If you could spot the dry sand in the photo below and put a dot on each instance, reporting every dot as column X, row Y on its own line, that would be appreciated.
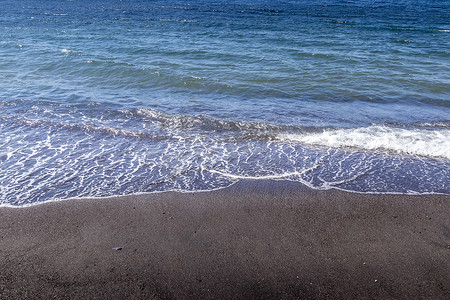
column 256, row 239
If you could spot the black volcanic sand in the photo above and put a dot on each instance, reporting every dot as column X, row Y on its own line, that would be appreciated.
column 255, row 239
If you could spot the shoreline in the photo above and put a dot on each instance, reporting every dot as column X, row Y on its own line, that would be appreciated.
column 253, row 239
column 299, row 184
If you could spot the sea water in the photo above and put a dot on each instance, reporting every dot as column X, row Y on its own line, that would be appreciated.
column 102, row 98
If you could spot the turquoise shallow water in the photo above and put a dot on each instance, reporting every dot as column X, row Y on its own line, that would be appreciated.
column 105, row 98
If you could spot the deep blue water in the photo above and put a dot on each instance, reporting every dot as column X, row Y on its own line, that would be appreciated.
column 103, row 98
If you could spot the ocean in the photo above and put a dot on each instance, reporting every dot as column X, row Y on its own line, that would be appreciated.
column 102, row 98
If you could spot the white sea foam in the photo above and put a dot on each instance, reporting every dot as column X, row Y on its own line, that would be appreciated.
column 64, row 50
column 421, row 142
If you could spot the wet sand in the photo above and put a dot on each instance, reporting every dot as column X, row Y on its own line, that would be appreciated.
column 255, row 239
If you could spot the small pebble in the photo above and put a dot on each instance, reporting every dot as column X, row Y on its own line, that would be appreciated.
column 117, row 248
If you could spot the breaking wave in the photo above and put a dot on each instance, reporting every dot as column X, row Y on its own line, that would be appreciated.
column 408, row 141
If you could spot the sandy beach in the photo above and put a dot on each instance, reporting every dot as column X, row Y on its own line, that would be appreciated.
column 253, row 240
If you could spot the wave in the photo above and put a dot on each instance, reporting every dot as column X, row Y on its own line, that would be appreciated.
column 415, row 141
column 430, row 139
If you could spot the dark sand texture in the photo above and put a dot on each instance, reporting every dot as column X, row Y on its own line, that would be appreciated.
column 256, row 239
